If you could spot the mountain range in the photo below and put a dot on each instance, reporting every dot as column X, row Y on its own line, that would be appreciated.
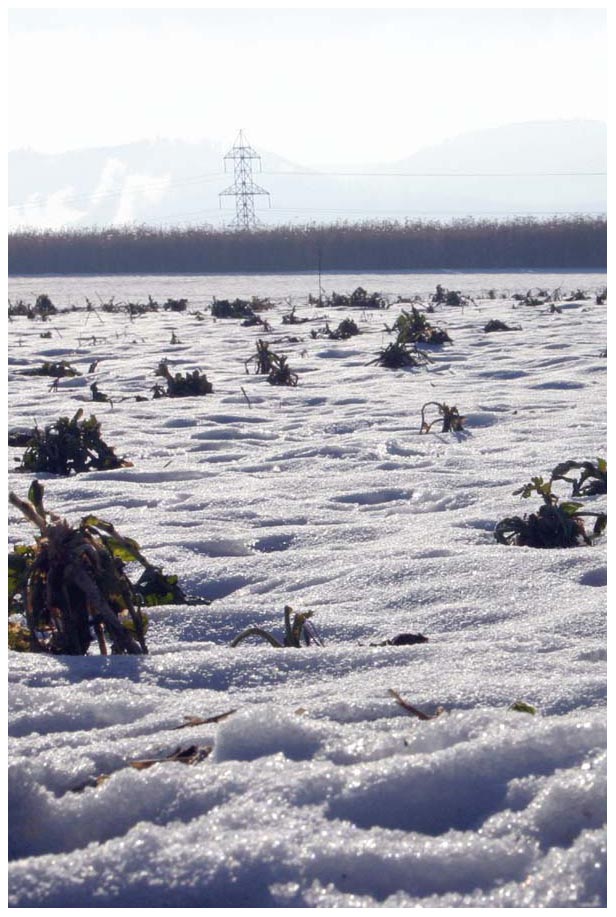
column 538, row 168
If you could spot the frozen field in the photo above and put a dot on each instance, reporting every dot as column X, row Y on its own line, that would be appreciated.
column 321, row 790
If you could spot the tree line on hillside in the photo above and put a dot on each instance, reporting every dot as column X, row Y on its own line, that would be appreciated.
column 467, row 244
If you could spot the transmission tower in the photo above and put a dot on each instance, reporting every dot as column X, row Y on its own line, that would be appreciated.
column 243, row 189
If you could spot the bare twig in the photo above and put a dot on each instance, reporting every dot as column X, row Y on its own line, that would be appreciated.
column 191, row 721
column 413, row 710
column 194, row 754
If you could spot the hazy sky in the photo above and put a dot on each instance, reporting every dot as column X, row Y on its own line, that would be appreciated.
column 313, row 85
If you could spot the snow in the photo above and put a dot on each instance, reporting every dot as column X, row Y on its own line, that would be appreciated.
column 320, row 789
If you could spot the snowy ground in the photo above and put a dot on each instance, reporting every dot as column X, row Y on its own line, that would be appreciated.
column 321, row 791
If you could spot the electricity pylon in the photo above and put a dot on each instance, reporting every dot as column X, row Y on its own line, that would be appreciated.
column 243, row 189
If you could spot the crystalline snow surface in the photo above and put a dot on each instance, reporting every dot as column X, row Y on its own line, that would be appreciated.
column 321, row 791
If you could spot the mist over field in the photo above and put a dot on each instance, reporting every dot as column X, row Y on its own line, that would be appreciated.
column 541, row 168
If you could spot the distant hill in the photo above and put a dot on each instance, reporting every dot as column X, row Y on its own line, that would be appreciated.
column 174, row 182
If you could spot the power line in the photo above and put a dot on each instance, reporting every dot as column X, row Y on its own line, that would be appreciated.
column 314, row 174
column 95, row 197
column 428, row 212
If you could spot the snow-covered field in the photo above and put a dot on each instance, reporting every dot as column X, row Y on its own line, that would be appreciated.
column 321, row 790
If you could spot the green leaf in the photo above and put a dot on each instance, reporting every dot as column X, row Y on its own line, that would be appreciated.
column 125, row 549
column 535, row 485
column 521, row 706
column 19, row 638
column 570, row 508
column 20, row 562
column 159, row 598
column 127, row 622
column 158, row 588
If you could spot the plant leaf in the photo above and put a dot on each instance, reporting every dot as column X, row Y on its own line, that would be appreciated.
column 35, row 496
column 19, row 563
column 570, row 508
column 600, row 525
column 520, row 706
column 125, row 549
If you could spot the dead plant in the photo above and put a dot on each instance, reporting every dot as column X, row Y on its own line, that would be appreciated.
column 73, row 584
column 452, row 419
column 556, row 524
column 182, row 386
column 414, row 328
column 281, row 374
column 58, row 370
column 69, row 446
column 296, row 629
column 400, row 356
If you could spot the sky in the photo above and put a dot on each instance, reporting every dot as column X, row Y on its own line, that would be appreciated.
column 316, row 86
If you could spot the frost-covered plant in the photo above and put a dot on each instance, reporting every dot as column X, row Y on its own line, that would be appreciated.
column 346, row 329
column 556, row 524
column 264, row 359
column 495, row 324
column 281, row 374
column 270, row 364
column 136, row 309
column 182, row 386
column 157, row 588
column 42, row 309
column 601, row 297
column 538, row 300
column 592, row 481
column 290, row 318
column 402, row 640
column 97, row 395
column 414, row 328
column 255, row 319
column 296, row 629
column 238, row 308
column 69, row 446
column 57, row 370
column 43, row 306
column 358, row 299
column 453, row 421
column 18, row 308
column 20, row 436
column 398, row 356
column 176, row 305
column 73, row 584
column 521, row 706
column 439, row 295
column 223, row 308
column 578, row 296
column 448, row 297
